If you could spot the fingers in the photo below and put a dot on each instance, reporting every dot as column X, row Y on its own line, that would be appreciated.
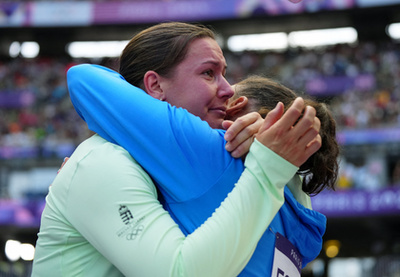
column 314, row 145
column 306, row 136
column 240, row 135
column 272, row 117
column 293, row 114
column 243, row 127
column 242, row 149
column 226, row 124
column 295, row 135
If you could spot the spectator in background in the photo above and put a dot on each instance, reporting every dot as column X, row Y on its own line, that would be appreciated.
column 294, row 67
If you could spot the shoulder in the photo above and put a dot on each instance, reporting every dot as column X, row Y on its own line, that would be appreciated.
column 89, row 69
column 101, row 162
column 97, row 149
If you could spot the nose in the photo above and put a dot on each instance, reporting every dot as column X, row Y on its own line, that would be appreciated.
column 225, row 89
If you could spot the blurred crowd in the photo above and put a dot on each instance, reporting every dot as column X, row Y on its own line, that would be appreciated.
column 36, row 116
column 359, row 82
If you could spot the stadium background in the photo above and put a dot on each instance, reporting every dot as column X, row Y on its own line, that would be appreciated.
column 360, row 81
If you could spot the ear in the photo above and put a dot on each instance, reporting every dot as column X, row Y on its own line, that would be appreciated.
column 237, row 106
column 152, row 85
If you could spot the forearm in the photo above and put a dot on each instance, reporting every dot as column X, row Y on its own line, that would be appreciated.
column 145, row 127
column 220, row 247
column 241, row 220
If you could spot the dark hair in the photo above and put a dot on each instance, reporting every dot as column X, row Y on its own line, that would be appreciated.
column 159, row 48
column 320, row 171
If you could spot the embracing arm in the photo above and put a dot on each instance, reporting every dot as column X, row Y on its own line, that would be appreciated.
column 154, row 245
column 145, row 127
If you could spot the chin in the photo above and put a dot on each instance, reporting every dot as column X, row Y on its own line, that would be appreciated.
column 214, row 120
column 216, row 124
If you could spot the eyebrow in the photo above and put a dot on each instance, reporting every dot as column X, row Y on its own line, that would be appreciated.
column 216, row 64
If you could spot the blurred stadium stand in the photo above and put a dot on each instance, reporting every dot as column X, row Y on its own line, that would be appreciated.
column 360, row 82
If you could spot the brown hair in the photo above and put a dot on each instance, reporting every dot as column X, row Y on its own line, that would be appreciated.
column 320, row 171
column 159, row 48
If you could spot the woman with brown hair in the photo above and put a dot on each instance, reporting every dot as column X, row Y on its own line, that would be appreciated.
column 261, row 94
column 184, row 66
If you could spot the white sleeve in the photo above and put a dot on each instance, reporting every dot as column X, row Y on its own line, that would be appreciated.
column 151, row 244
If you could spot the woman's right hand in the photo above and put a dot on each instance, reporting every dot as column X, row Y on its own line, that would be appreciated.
column 293, row 135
